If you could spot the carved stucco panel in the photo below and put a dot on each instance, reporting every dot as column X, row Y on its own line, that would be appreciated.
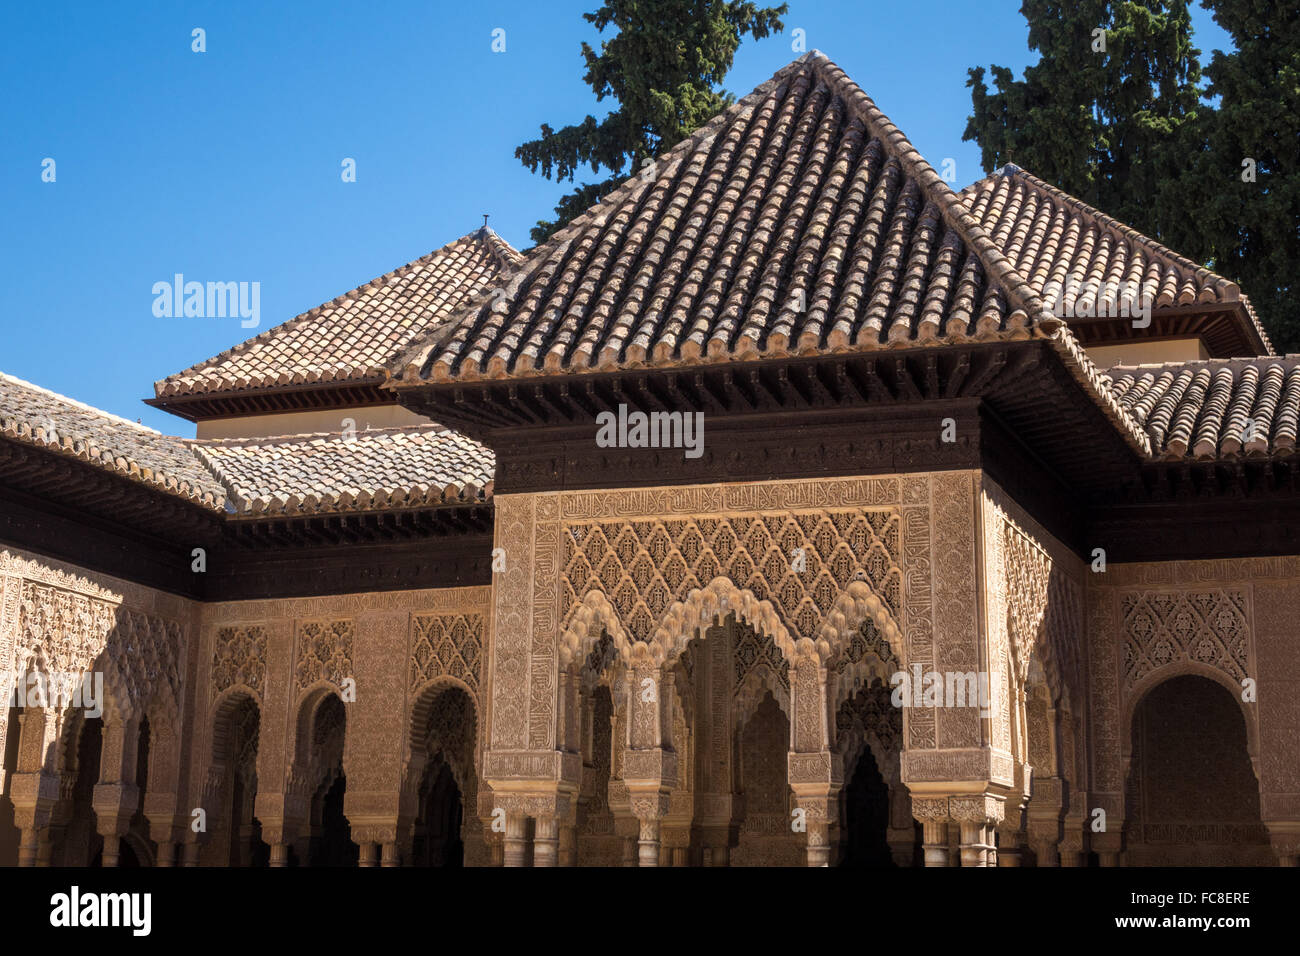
column 537, row 591
column 377, row 722
column 512, row 592
column 956, row 605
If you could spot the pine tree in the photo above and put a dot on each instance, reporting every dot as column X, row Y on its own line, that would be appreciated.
column 1101, row 113
column 1240, row 187
column 664, row 67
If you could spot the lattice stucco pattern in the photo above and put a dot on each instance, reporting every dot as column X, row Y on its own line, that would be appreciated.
column 239, row 657
column 646, row 566
column 61, row 630
column 324, row 653
column 1167, row 627
column 447, row 645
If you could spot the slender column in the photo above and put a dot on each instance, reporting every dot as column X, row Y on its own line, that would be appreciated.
column 546, row 840
column 516, row 841
column 932, row 813
column 979, row 815
column 29, row 844
column 1010, row 850
column 934, row 836
column 648, row 842
column 569, row 845
column 369, row 854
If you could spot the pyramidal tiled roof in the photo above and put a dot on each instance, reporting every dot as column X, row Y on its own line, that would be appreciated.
column 1065, row 248
column 403, row 467
column 798, row 221
column 353, row 337
column 1218, row 408
column 55, row 423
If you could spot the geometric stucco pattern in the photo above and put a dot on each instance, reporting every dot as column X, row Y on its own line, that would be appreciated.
column 324, row 653
column 1167, row 627
column 801, row 562
column 447, row 645
column 64, row 631
column 239, row 657
column 861, row 540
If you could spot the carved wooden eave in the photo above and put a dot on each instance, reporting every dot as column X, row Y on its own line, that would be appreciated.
column 269, row 401
column 1219, row 325
column 106, row 497
column 286, row 556
column 367, row 527
column 1024, row 383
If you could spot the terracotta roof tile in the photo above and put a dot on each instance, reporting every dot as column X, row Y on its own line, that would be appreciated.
column 798, row 221
column 352, row 337
column 374, row 470
column 35, row 416
column 1066, row 249
column 1218, row 408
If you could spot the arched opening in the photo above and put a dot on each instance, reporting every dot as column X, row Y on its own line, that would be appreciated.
column 442, row 814
column 875, row 810
column 765, row 835
column 238, row 835
column 9, row 833
column 331, row 835
column 448, row 782
column 130, row 850
column 732, row 734
column 598, row 843
column 866, row 816
column 1192, row 798
column 81, row 844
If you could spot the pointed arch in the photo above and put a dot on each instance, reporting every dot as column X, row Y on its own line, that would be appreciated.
column 716, row 600
column 857, row 602
column 306, row 709
column 1139, row 691
column 748, row 696
column 584, row 628
column 423, row 700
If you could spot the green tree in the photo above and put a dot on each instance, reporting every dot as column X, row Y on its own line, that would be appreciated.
column 664, row 66
column 1101, row 113
column 1240, row 188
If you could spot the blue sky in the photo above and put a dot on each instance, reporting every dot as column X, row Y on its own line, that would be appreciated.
column 225, row 165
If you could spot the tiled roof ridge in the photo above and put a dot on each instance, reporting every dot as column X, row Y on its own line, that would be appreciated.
column 1227, row 289
column 1017, row 288
column 501, row 250
column 1027, row 313
column 301, row 438
column 1214, row 409
column 1236, row 363
column 352, row 492
column 14, row 379
column 407, row 364
column 117, row 460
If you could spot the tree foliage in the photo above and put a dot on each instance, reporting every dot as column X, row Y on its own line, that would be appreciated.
column 1101, row 112
column 1132, row 131
column 1241, row 184
column 664, row 67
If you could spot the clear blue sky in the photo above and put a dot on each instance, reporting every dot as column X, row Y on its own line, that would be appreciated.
column 225, row 165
